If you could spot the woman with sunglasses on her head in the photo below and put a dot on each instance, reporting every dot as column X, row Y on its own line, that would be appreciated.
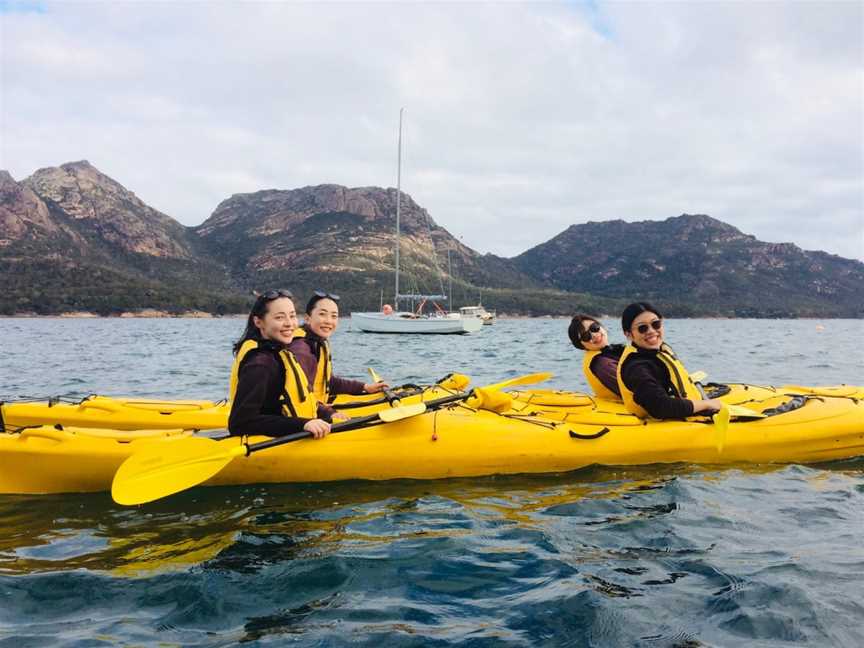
column 600, row 364
column 268, row 390
column 652, row 380
column 311, row 347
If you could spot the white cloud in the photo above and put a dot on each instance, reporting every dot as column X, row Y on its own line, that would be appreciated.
column 522, row 118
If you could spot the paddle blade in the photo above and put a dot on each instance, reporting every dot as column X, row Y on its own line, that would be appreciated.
column 170, row 468
column 403, row 412
column 741, row 412
column 698, row 376
column 456, row 382
column 374, row 375
column 528, row 379
column 721, row 426
column 493, row 400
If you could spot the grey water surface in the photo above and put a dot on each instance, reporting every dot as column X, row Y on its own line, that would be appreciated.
column 666, row 555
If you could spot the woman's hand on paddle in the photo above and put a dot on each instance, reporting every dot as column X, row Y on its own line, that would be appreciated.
column 339, row 417
column 708, row 406
column 372, row 388
column 318, row 428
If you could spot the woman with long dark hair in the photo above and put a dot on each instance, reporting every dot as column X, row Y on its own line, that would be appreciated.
column 268, row 390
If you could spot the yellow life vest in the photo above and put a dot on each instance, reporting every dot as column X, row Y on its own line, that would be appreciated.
column 682, row 384
column 600, row 390
column 323, row 371
column 297, row 400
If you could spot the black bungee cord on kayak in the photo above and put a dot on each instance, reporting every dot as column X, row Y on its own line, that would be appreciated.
column 409, row 389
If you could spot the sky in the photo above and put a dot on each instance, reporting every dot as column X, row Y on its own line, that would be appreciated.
column 521, row 119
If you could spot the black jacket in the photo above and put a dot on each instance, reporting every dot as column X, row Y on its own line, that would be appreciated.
column 257, row 407
column 647, row 377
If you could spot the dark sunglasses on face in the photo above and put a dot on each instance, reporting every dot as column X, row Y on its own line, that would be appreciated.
column 589, row 332
column 276, row 294
column 655, row 324
column 322, row 294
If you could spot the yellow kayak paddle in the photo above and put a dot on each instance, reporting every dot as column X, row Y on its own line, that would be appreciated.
column 160, row 471
column 721, row 426
column 698, row 376
column 723, row 418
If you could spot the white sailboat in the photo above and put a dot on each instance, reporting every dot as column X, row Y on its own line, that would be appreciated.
column 485, row 316
column 396, row 321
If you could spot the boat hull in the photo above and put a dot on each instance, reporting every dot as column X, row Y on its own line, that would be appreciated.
column 573, row 407
column 119, row 414
column 457, row 441
column 398, row 323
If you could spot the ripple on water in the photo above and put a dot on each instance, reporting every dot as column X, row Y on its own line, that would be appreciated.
column 655, row 556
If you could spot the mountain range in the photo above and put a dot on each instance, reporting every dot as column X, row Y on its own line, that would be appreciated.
column 74, row 239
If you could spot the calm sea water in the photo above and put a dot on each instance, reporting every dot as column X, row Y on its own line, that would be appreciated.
column 657, row 556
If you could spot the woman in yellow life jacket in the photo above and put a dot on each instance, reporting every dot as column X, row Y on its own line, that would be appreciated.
column 268, row 390
column 652, row 380
column 600, row 364
column 311, row 348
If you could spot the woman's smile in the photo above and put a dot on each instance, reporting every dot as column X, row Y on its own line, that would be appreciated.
column 647, row 331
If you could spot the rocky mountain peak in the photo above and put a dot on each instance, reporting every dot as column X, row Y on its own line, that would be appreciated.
column 690, row 259
column 701, row 225
column 272, row 211
column 109, row 210
column 22, row 213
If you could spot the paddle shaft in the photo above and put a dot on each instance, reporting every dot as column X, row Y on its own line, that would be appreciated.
column 353, row 424
column 391, row 397
column 296, row 436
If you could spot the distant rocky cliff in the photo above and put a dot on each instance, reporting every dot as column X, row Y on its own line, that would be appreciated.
column 334, row 235
column 105, row 208
column 22, row 212
column 700, row 264
column 72, row 238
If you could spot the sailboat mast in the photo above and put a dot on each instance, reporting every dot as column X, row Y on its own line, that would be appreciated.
column 398, row 203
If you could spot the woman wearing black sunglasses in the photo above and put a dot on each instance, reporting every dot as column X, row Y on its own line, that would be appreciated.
column 600, row 364
column 268, row 390
column 311, row 347
column 652, row 380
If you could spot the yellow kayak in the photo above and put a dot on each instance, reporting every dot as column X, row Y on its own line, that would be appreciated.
column 137, row 413
column 459, row 441
column 141, row 413
column 577, row 406
column 118, row 413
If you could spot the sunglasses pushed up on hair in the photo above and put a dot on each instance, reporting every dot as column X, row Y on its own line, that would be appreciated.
column 277, row 293
column 588, row 333
column 326, row 295
column 656, row 324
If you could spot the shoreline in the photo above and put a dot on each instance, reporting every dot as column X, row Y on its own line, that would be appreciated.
column 143, row 314
column 159, row 314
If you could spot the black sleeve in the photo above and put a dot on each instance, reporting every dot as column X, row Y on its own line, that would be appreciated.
column 257, row 392
column 645, row 381
column 346, row 386
column 325, row 412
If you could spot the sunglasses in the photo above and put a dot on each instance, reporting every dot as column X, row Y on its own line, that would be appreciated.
column 655, row 324
column 323, row 295
column 588, row 333
column 276, row 294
